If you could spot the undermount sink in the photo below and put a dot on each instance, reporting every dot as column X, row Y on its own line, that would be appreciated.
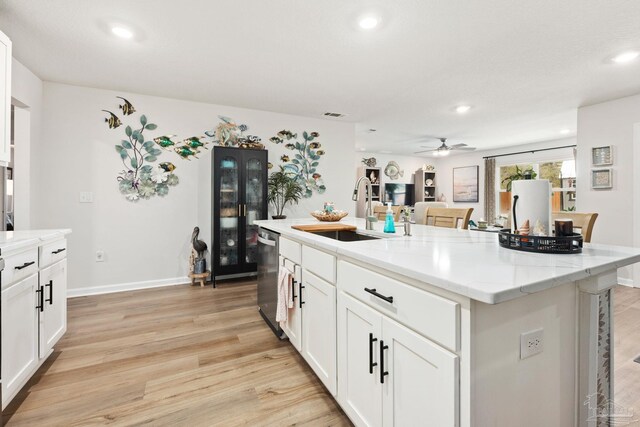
column 345, row 235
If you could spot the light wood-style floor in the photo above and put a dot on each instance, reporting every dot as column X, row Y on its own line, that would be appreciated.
column 191, row 356
column 626, row 339
column 178, row 356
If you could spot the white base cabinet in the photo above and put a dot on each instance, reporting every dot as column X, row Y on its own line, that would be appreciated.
column 53, row 317
column 318, row 299
column 293, row 326
column 19, row 335
column 389, row 375
column 34, row 311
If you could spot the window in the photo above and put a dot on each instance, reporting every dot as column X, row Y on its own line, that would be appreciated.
column 560, row 173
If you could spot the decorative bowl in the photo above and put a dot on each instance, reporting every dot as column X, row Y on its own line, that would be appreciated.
column 329, row 216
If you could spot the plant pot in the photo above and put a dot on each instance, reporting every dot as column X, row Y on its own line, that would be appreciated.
column 278, row 217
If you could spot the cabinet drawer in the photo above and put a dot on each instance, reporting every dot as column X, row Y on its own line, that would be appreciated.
column 290, row 249
column 53, row 252
column 431, row 315
column 320, row 263
column 20, row 265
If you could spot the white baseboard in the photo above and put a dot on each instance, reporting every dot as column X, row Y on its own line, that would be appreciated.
column 625, row 282
column 121, row 287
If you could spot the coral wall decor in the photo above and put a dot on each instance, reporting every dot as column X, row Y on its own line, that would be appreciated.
column 304, row 161
column 229, row 134
column 142, row 177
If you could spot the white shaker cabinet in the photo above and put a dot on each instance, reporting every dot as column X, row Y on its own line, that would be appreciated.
column 5, row 100
column 20, row 306
column 318, row 299
column 293, row 326
column 359, row 388
column 53, row 316
column 422, row 381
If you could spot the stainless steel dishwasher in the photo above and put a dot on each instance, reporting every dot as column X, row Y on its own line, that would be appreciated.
column 268, row 266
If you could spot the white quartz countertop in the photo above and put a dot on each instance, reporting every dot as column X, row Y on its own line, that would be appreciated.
column 15, row 240
column 466, row 262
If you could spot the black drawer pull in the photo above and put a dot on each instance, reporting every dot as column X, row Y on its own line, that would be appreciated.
column 59, row 250
column 25, row 265
column 371, row 364
column 40, row 292
column 300, row 294
column 373, row 292
column 383, row 373
column 50, row 286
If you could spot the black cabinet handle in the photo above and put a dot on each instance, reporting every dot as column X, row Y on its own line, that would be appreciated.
column 383, row 373
column 50, row 286
column 25, row 265
column 371, row 364
column 373, row 292
column 40, row 292
column 300, row 294
column 293, row 289
column 59, row 250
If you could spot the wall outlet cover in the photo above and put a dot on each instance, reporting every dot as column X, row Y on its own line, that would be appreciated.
column 86, row 197
column 531, row 343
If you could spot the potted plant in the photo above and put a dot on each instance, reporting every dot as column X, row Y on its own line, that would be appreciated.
column 518, row 175
column 283, row 189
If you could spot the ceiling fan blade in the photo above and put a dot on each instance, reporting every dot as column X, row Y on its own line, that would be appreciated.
column 424, row 151
column 458, row 145
column 464, row 148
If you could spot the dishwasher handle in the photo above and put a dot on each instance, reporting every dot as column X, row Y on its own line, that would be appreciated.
column 266, row 241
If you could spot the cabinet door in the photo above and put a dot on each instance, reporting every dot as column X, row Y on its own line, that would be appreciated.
column 227, row 205
column 19, row 335
column 53, row 320
column 5, row 100
column 422, row 385
column 293, row 326
column 255, row 202
column 359, row 388
column 319, row 327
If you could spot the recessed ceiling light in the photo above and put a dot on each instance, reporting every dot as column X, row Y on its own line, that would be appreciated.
column 461, row 109
column 122, row 32
column 625, row 57
column 369, row 22
column 565, row 131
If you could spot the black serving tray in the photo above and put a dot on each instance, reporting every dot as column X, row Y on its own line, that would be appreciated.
column 541, row 244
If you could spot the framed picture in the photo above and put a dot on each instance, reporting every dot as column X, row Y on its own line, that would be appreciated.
column 602, row 156
column 601, row 178
column 465, row 184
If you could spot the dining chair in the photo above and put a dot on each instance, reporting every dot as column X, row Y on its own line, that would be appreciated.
column 380, row 212
column 420, row 209
column 581, row 221
column 448, row 217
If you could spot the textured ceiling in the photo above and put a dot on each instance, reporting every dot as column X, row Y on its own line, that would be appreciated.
column 524, row 66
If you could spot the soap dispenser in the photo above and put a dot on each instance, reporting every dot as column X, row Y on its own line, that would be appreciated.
column 389, row 226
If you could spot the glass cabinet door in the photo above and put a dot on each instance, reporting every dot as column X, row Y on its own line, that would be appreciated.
column 254, row 205
column 230, row 211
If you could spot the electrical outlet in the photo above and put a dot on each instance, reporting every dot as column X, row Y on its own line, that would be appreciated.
column 531, row 343
column 99, row 256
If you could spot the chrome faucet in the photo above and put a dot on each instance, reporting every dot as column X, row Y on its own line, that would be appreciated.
column 369, row 213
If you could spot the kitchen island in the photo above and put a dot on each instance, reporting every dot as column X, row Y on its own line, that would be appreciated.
column 445, row 327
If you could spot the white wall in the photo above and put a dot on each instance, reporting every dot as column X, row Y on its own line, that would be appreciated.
column 148, row 240
column 445, row 167
column 26, row 93
column 610, row 123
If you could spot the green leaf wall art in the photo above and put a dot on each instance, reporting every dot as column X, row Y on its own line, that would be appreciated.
column 142, row 177
column 304, row 161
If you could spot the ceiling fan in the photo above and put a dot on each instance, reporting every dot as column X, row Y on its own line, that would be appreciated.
column 444, row 149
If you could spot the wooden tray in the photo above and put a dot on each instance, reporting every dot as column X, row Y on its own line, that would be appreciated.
column 324, row 227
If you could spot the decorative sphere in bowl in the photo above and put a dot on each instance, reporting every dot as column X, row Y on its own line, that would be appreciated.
column 329, row 216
